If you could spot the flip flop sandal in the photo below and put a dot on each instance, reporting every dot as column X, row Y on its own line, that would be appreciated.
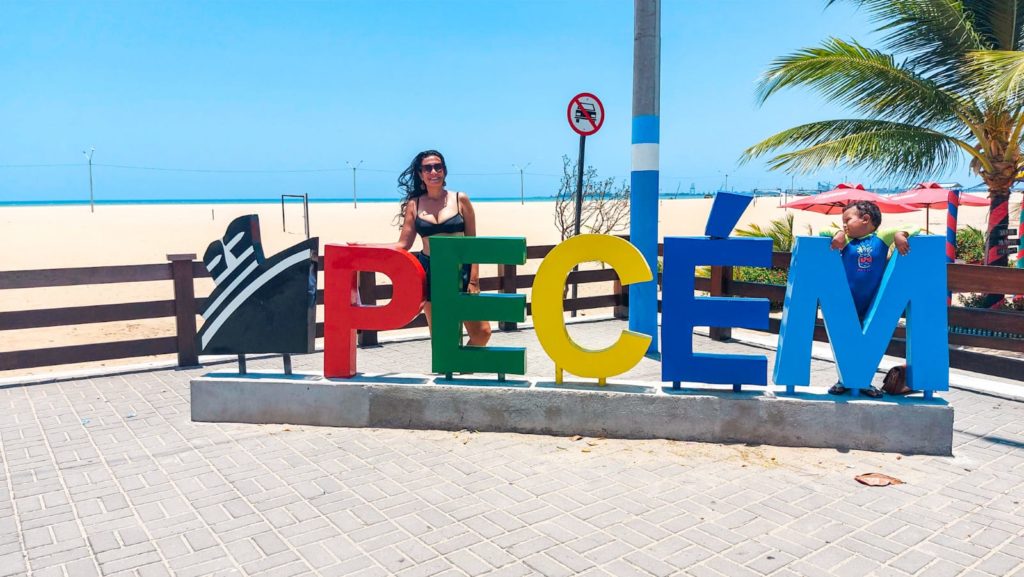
column 872, row 393
column 837, row 389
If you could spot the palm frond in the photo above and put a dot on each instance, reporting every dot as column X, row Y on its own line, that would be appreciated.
column 869, row 80
column 883, row 148
column 752, row 230
column 1002, row 74
column 937, row 33
column 780, row 230
column 998, row 22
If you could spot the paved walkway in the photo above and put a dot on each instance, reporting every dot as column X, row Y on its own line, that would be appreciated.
column 109, row 476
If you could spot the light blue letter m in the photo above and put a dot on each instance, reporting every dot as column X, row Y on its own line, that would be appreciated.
column 915, row 283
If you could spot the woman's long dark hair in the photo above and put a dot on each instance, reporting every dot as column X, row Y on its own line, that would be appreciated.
column 411, row 183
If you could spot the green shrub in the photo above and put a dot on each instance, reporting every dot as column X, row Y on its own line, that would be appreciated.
column 776, row 276
column 972, row 300
column 977, row 300
column 970, row 245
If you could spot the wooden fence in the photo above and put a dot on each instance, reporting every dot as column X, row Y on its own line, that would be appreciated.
column 182, row 270
column 960, row 278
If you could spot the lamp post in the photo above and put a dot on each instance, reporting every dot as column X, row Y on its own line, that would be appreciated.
column 88, row 156
column 645, row 169
column 522, row 195
column 355, row 203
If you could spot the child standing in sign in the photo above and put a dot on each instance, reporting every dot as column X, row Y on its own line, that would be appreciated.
column 865, row 254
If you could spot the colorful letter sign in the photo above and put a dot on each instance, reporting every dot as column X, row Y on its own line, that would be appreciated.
column 451, row 306
column 342, row 312
column 912, row 285
column 915, row 283
column 681, row 311
column 548, row 318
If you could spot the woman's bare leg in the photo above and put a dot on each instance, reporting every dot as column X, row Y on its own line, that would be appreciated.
column 479, row 333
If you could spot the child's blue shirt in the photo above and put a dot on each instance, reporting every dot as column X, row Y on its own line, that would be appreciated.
column 864, row 260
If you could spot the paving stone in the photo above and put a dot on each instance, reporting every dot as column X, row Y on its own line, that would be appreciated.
column 37, row 537
column 941, row 569
column 999, row 564
column 131, row 562
column 287, row 500
column 200, row 539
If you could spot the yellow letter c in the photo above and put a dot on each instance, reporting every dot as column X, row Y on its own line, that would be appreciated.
column 548, row 319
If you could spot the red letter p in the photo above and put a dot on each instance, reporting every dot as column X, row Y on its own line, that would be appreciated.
column 342, row 312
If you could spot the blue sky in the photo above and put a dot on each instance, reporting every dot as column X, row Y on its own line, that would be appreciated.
column 272, row 86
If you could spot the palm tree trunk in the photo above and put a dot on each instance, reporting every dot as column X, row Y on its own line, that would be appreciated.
column 995, row 240
column 1020, row 235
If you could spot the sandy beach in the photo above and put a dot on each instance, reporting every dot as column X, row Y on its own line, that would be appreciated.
column 53, row 237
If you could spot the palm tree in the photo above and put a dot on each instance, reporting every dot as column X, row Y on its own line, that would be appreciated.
column 780, row 230
column 952, row 86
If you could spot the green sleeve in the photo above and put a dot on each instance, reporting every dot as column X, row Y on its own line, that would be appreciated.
column 888, row 235
column 829, row 231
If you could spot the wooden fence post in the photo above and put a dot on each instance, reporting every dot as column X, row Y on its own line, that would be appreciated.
column 507, row 280
column 367, row 297
column 184, row 308
column 721, row 276
column 621, row 310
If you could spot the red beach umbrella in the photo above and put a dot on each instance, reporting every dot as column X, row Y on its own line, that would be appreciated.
column 929, row 195
column 835, row 200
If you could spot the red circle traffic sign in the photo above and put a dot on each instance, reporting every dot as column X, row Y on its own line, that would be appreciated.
column 585, row 113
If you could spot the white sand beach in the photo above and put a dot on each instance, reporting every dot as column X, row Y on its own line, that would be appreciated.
column 54, row 237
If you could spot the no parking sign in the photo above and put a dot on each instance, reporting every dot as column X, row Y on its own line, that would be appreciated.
column 585, row 114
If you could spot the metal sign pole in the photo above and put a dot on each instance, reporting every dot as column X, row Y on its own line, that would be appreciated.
column 579, row 185
column 585, row 115
column 579, row 208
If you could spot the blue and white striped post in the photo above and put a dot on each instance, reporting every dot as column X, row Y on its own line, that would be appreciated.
column 643, row 205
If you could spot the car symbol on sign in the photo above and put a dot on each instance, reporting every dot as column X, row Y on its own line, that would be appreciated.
column 590, row 108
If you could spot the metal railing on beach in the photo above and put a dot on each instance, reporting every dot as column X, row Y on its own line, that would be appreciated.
column 978, row 328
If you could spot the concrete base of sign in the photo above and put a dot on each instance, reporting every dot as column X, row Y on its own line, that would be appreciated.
column 627, row 411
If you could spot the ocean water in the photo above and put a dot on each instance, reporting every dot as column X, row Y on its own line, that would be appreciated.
column 291, row 199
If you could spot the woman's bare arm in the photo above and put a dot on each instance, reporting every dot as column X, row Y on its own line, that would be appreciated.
column 470, row 217
column 405, row 238
column 408, row 234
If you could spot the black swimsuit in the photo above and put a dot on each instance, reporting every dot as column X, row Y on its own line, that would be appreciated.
column 452, row 225
column 425, row 228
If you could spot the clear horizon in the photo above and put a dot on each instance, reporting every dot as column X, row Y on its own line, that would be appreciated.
column 196, row 100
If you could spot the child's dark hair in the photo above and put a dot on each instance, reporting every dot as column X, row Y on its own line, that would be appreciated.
column 869, row 208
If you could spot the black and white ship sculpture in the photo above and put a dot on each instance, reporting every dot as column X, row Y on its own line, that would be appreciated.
column 259, row 305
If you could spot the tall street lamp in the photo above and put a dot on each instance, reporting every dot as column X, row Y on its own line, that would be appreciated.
column 88, row 156
column 522, row 195
column 355, row 203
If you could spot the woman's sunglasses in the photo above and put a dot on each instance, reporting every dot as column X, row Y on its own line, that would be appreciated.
column 432, row 167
